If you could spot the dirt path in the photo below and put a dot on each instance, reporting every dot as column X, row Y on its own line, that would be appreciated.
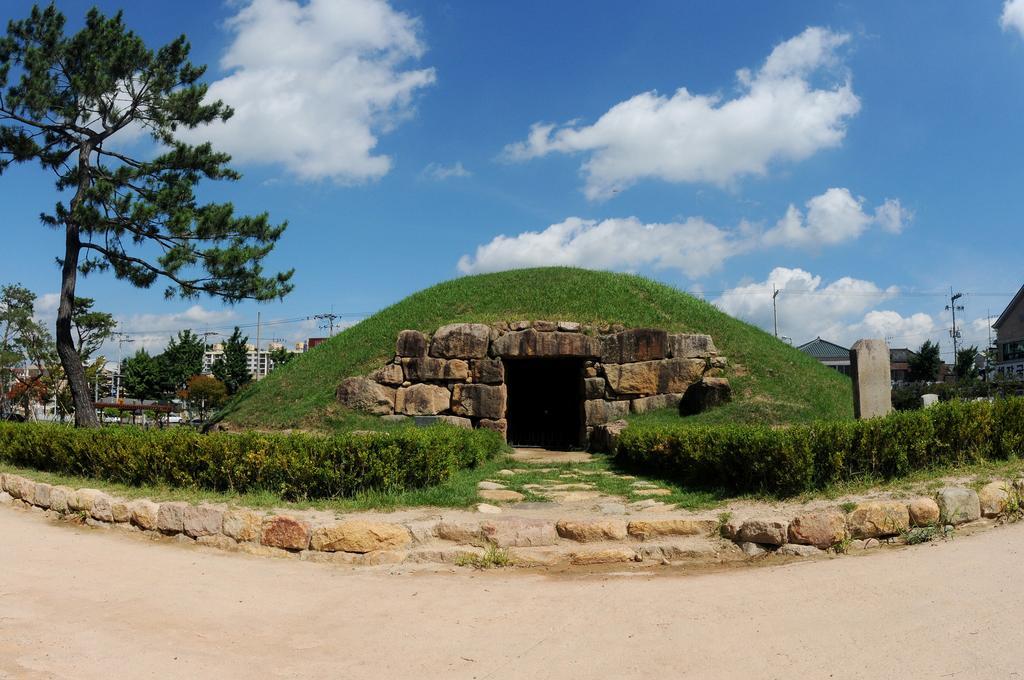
column 92, row 604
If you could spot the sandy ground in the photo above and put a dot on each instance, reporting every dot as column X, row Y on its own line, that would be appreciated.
column 86, row 603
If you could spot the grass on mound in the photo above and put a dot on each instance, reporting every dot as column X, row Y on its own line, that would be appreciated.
column 772, row 382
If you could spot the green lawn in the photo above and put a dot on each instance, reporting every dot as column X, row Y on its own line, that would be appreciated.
column 772, row 382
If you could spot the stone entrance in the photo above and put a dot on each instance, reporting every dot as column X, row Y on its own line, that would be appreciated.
column 539, row 383
column 545, row 403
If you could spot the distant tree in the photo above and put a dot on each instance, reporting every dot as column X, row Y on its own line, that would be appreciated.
column 205, row 393
column 91, row 328
column 73, row 102
column 965, row 367
column 926, row 364
column 182, row 359
column 16, row 308
column 280, row 356
column 140, row 376
column 232, row 368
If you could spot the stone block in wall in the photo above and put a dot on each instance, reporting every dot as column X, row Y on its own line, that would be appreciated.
column 594, row 388
column 676, row 375
column 500, row 425
column 391, row 374
column 531, row 343
column 569, row 326
column 422, row 400
column 636, row 344
column 604, row 437
column 709, row 392
column 599, row 411
column 636, row 378
column 461, row 341
column 411, row 344
column 691, row 346
column 427, row 421
column 667, row 376
column 545, row 326
column 479, row 401
column 428, row 368
column 654, row 402
column 488, row 371
column 363, row 394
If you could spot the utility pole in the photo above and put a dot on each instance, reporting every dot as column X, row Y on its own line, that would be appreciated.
column 327, row 319
column 954, row 308
column 122, row 338
column 259, row 370
column 775, row 310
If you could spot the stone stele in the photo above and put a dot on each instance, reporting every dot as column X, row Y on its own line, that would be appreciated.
column 872, row 386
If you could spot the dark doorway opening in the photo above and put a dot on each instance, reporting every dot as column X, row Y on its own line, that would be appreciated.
column 545, row 402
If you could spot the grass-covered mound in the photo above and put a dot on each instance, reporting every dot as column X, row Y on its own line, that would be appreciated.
column 294, row 466
column 772, row 382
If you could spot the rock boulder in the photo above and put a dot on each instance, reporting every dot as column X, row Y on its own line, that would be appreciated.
column 958, row 505
column 704, row 395
column 363, row 394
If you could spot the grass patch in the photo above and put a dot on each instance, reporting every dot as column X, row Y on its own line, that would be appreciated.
column 493, row 558
column 772, row 382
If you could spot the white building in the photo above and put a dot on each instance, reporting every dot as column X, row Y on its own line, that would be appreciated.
column 258, row 363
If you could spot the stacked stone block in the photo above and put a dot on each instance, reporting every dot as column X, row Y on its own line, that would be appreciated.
column 458, row 374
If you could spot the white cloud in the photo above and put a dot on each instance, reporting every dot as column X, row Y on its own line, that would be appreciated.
column 439, row 172
column 694, row 246
column 1013, row 16
column 834, row 217
column 898, row 330
column 779, row 114
column 47, row 303
column 806, row 308
column 152, row 331
column 314, row 84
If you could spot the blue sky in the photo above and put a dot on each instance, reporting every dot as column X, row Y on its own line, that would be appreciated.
column 860, row 156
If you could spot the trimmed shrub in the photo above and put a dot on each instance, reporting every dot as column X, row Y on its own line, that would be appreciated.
column 787, row 461
column 294, row 466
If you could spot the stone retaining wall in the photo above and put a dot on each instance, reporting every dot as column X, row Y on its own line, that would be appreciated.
column 458, row 374
column 528, row 542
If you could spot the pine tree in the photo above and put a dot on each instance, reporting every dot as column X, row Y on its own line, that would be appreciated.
column 926, row 363
column 73, row 97
column 232, row 368
column 182, row 359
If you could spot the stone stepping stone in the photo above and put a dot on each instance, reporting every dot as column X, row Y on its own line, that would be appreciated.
column 506, row 473
column 488, row 509
column 645, row 504
column 571, row 487
column 489, row 486
column 652, row 492
column 574, row 496
column 501, row 495
column 611, row 509
column 543, row 456
column 645, row 485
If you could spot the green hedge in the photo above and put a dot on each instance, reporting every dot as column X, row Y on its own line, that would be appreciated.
column 790, row 460
column 294, row 466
